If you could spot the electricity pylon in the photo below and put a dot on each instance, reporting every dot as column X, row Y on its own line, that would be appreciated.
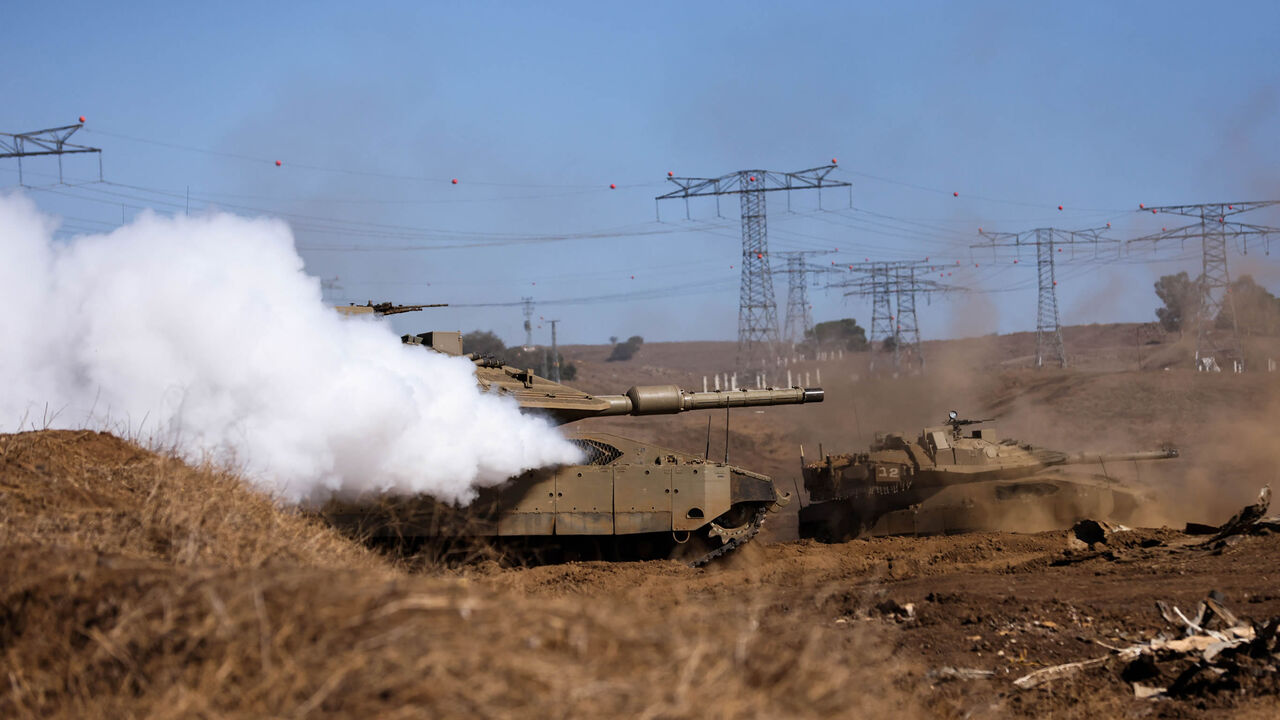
column 1048, row 243
column 799, row 319
column 893, row 287
column 757, row 311
column 52, row 141
column 1213, row 231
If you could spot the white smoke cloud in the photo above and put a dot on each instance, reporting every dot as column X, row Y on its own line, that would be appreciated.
column 206, row 332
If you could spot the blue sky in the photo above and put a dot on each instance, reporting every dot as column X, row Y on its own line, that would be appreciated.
column 537, row 108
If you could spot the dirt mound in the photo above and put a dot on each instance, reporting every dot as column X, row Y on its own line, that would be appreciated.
column 94, row 491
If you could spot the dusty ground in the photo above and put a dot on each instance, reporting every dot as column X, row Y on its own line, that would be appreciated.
column 132, row 585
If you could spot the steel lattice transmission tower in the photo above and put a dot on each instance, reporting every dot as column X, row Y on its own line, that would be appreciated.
column 893, row 288
column 757, row 310
column 1213, row 231
column 1048, row 243
column 527, row 304
column 52, row 141
column 799, row 320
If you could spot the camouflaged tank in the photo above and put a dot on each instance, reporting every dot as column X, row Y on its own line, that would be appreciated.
column 947, row 480
column 626, row 499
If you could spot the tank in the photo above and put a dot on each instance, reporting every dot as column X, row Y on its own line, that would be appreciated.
column 949, row 480
column 628, row 499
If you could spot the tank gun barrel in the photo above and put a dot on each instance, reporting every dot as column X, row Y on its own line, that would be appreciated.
column 671, row 399
column 1093, row 457
column 387, row 308
column 383, row 308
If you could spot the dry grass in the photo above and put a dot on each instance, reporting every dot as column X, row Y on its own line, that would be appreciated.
column 132, row 585
column 93, row 491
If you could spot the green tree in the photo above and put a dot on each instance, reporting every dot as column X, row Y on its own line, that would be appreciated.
column 1255, row 311
column 845, row 333
column 1181, row 298
column 625, row 350
column 483, row 342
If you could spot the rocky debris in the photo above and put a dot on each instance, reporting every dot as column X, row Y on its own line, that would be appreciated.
column 1091, row 533
column 1215, row 653
column 902, row 612
column 1250, row 519
column 954, row 673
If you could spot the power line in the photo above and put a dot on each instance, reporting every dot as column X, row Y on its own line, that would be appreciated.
column 757, row 309
column 1214, row 283
column 1048, row 243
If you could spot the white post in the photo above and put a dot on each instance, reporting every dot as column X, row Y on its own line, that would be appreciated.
column 806, row 379
column 704, row 383
column 819, row 371
column 734, row 385
column 789, row 379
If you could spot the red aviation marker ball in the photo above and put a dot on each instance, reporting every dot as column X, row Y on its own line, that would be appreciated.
column 454, row 181
column 1142, row 206
column 955, row 194
column 1153, row 211
column 1059, row 207
column 278, row 163
column 82, row 119
column 833, row 161
column 670, row 174
column 633, row 277
column 753, row 178
column 759, row 256
column 613, row 186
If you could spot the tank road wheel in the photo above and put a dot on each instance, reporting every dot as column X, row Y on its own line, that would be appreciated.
column 689, row 547
column 722, row 535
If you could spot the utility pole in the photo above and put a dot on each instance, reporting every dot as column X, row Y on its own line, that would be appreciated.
column 799, row 320
column 52, row 141
column 1048, row 243
column 528, row 322
column 555, row 353
column 757, row 310
column 1213, row 231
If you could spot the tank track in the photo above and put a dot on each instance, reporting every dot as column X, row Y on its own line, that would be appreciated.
column 757, row 521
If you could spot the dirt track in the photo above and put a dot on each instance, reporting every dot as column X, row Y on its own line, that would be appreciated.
column 132, row 585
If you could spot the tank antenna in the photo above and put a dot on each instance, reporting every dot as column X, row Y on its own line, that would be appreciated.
column 726, row 429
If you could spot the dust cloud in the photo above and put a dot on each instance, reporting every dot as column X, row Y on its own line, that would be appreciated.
column 205, row 334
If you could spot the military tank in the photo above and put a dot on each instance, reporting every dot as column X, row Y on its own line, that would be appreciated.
column 948, row 480
column 628, row 499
